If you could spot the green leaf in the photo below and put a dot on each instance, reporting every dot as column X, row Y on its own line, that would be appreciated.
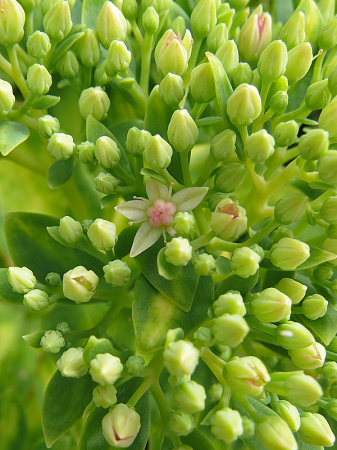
column 223, row 265
column 324, row 327
column 153, row 174
column 197, row 440
column 223, row 88
column 6, row 291
column 64, row 402
column 282, row 10
column 125, row 240
column 154, row 314
column 317, row 256
column 12, row 134
column 60, row 172
column 65, row 45
column 236, row 283
column 13, row 424
column 165, row 269
column 90, row 11
column 45, row 102
column 30, row 245
column 107, row 200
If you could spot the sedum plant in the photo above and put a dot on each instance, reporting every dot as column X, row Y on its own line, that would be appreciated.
column 188, row 293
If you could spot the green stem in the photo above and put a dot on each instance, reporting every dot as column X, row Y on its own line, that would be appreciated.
column 293, row 115
column 169, row 179
column 26, row 161
column 202, row 223
column 209, row 166
column 6, row 65
column 16, row 71
column 247, row 405
column 145, row 63
column 185, row 168
column 202, row 240
column 30, row 23
column 28, row 60
column 317, row 74
column 136, row 32
column 208, row 121
column 243, row 133
column 265, row 327
column 198, row 109
column 144, row 387
column 87, row 73
column 258, row 123
column 215, row 364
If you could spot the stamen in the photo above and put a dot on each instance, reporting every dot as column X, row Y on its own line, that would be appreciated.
column 170, row 189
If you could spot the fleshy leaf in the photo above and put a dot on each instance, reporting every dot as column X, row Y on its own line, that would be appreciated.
column 223, row 266
column 317, row 256
column 12, row 134
column 45, row 102
column 155, row 190
column 324, row 327
column 60, row 172
column 165, row 269
column 64, row 47
column 236, row 283
column 90, row 11
column 146, row 236
column 153, row 174
column 197, row 440
column 107, row 200
column 187, row 199
column 134, row 209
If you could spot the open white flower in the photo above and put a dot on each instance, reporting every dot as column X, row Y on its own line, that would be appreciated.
column 157, row 212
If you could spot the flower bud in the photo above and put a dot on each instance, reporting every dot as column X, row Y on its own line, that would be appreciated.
column 248, row 428
column 105, row 368
column 190, row 397
column 53, row 279
column 202, row 83
column 68, row 66
column 289, row 413
column 245, row 262
column 204, row 265
column 259, row 146
column 228, row 220
column 226, row 425
column 105, row 183
column 290, row 208
column 79, row 284
column 293, row 335
column 311, row 357
column 332, row 231
column 38, row 44
column 111, row 24
column 247, row 375
column 171, row 89
column 12, row 20
column 172, row 53
column 293, row 289
column 329, row 370
column 299, row 62
column 36, row 299
column 71, row 363
column 327, row 165
column 136, row 141
column 183, row 223
column 228, row 54
column 229, row 303
column 21, row 279
column 255, row 35
column 61, row 146
column 70, row 230
column 135, row 365
column 181, row 423
column 7, row 98
column 314, row 306
column 203, row 18
column 181, row 358
column 203, row 337
column 274, row 433
column 157, row 153
column 107, row 152
column 57, row 21
column 182, row 131
column 244, row 105
column 104, row 396
column 323, row 272
column 87, row 48
column 150, row 20
column 52, row 341
column 179, row 25
column 102, row 234
column 273, row 61
column 117, row 272
column 327, row 119
column 230, row 330
column 315, row 430
column 119, row 58
column 285, row 133
column 130, row 9
column 271, row 305
column 95, row 346
column 242, row 74
column 327, row 37
column 48, row 125
column 299, row 388
column 39, row 79
column 230, row 177
column 101, row 77
column 317, row 96
column 95, row 102
column 328, row 211
column 293, row 32
column 288, row 254
column 216, row 37
column 279, row 101
column 86, row 152
column 223, row 145
column 314, row 144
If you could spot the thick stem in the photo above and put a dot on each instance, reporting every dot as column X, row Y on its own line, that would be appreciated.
column 185, row 168
column 145, row 63
column 16, row 71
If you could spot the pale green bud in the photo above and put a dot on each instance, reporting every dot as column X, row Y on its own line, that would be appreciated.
column 88, row 49
column 301, row 389
column 111, row 24
column 290, row 208
column 102, row 234
column 242, row 74
column 230, row 177
column 68, row 66
column 238, row 4
column 29, row 5
column 179, row 25
column 328, row 211
column 318, row 95
column 314, row 306
column 203, row 18
column 107, row 152
column 46, row 5
column 289, row 413
column 225, row 14
column 136, row 141
column 288, row 254
column 172, row 53
column 38, row 44
column 327, row 166
column 95, row 346
column 21, row 279
column 104, row 396
column 226, row 425
column 248, row 427
column 130, row 9
column 7, row 98
column 244, row 105
column 204, row 265
column 247, row 375
column 203, row 337
column 327, row 37
column 299, row 62
column 39, row 79
column 120, row 426
column 274, row 433
column 228, row 54
column 329, row 369
column 330, row 245
column 311, row 357
column 12, row 21
column 101, row 77
column 293, row 289
column 183, row 223
column 48, row 125
column 245, row 262
column 105, row 183
column 94, row 102
column 314, row 144
column 36, row 299
column 190, row 397
column 181, row 358
column 229, row 303
column 259, row 146
column 216, row 37
column 230, row 330
column 202, row 83
column 285, row 133
column 150, row 20
column 178, row 251
column 315, row 430
column 323, row 272
column 53, row 279
column 182, row 131
column 327, row 119
column 279, row 101
column 332, row 82
column 271, row 305
column 135, row 365
column 70, row 230
column 228, row 220
column 215, row 392
column 223, row 145
column 57, row 21
column 105, row 368
column 71, row 363
column 293, row 335
column 181, row 423
column 273, row 61
column 79, row 284
column 293, row 32
column 86, row 152
column 171, row 89
column 61, row 146
column 52, row 341
column 119, row 58
column 157, row 152
column 117, row 272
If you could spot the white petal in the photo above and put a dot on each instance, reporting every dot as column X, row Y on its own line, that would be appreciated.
column 187, row 199
column 134, row 209
column 155, row 190
column 145, row 237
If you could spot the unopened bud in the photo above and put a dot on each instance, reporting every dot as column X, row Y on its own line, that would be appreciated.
column 293, row 32
column 48, row 125
column 150, row 20
column 104, row 396
column 230, row 177
column 61, row 146
column 314, row 306
column 327, row 37
column 119, row 58
column 311, row 357
column 136, row 141
column 181, row 358
column 204, row 265
column 52, row 341
column 107, row 152
column 285, row 133
column 245, row 262
column 38, row 44
column 135, row 365
column 53, row 279
column 293, row 289
column 182, row 131
column 105, row 183
column 293, row 335
column 317, row 96
column 171, row 89
column 328, row 211
column 57, row 21
column 299, row 62
column 12, row 20
column 120, row 426
column 289, row 253
column 202, row 83
column 229, row 303
column 130, row 9
column 259, row 146
column 226, row 425
column 181, row 423
column 88, row 49
column 70, row 230
column 203, row 18
column 290, row 208
column 79, row 284
column 244, row 105
column 183, row 223
column 274, row 433
column 313, row 144
column 315, row 430
column 216, row 37
column 228, row 54
column 223, row 145
column 105, row 368
column 327, row 165
column 230, row 330
column 117, row 272
column 111, row 24
column 157, row 153
column 327, row 120
column 36, row 299
column 71, row 363
column 179, row 25
column 95, row 102
column 190, row 397
column 21, row 279
column 273, row 61
column 242, row 74
column 228, row 220
column 7, row 98
column 68, row 66
column 172, row 53
column 289, row 413
column 102, row 234
column 86, row 152
column 271, row 305
column 39, row 79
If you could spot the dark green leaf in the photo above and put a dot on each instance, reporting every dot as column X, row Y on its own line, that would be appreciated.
column 60, row 172
column 197, row 440
column 223, row 87
column 325, row 327
column 64, row 47
column 90, row 11
column 223, row 265
column 236, row 283
column 107, row 200
column 321, row 185
column 282, row 10
column 125, row 240
column 158, row 114
column 6, row 291
column 12, row 134
column 317, row 256
column 273, row 277
column 45, row 102
column 153, row 174
column 64, row 402
column 165, row 269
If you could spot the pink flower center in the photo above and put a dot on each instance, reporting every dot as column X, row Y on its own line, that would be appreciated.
column 161, row 213
column 261, row 21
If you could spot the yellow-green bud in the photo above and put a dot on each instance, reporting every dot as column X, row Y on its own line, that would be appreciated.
column 71, row 363
column 273, row 61
column 328, row 117
column 119, row 58
column 289, row 413
column 226, row 425
column 48, row 125
column 301, row 389
column 315, row 430
column 111, row 24
column 117, row 272
column 216, row 37
column 86, row 152
column 244, row 105
column 190, row 397
column 242, row 74
column 285, row 133
column 299, row 62
column 323, row 272
column 182, row 131
column 88, row 49
column 311, row 357
column 327, row 37
column 150, row 20
column 259, row 146
column 94, row 102
column 7, row 98
column 39, row 79
column 178, row 251
column 107, row 152
column 53, row 279
column 329, row 369
column 157, row 153
column 228, row 220
column 314, row 306
column 328, row 211
column 38, row 44
column 202, row 83
column 52, row 341
column 228, row 54
column 57, row 21
column 120, row 426
column 36, row 299
column 21, row 279
column 135, row 365
column 130, row 9
column 293, row 32
column 245, row 262
column 203, row 18
column 68, row 66
column 102, row 234
column 330, row 245
column 171, row 89
column 230, row 330
column 105, row 183
column 203, row 337
column 229, row 303
column 104, row 396
column 247, row 375
column 181, row 423
column 225, row 14
column 274, row 433
column 181, row 358
column 271, row 305
column 204, row 265
column 12, row 20
column 290, row 208
column 293, row 335
column 136, row 141
column 279, row 101
column 318, row 95
column 293, row 289
column 61, row 146
column 230, row 177
column 79, row 284
column 314, row 144
column 327, row 166
column 223, row 145
column 95, row 346
column 105, row 368
column 332, row 82
column 248, row 427
column 29, row 5
column 179, row 25
column 172, row 53
column 183, row 223
column 70, row 230
column 288, row 254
